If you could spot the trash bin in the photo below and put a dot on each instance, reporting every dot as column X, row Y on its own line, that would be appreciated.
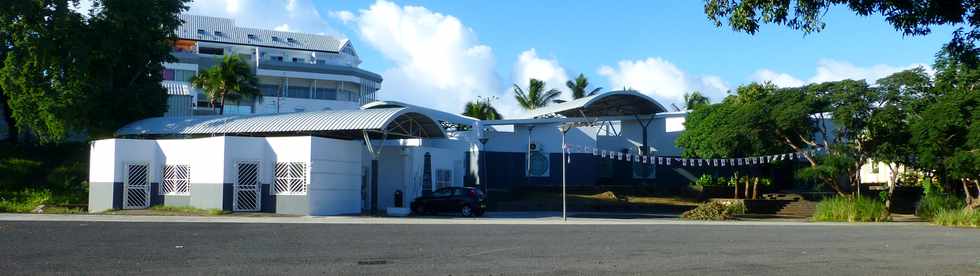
column 398, row 199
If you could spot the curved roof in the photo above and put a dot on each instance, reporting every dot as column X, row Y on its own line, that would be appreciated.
column 342, row 124
column 436, row 114
column 615, row 103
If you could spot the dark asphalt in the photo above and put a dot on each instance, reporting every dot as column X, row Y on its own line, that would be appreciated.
column 231, row 248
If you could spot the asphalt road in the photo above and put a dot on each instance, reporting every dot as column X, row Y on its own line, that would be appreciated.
column 256, row 248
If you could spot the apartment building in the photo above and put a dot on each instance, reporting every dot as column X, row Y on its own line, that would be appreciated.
column 296, row 71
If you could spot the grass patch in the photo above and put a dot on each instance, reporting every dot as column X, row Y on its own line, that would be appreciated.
column 23, row 201
column 932, row 204
column 856, row 209
column 957, row 218
column 715, row 210
column 184, row 210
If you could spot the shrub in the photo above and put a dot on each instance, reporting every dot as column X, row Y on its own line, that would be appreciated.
column 933, row 203
column 737, row 208
column 23, row 201
column 856, row 209
column 957, row 218
column 713, row 211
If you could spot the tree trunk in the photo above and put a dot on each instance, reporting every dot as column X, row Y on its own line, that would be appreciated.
column 222, row 111
column 12, row 132
column 966, row 193
column 747, row 180
column 893, row 175
column 755, row 188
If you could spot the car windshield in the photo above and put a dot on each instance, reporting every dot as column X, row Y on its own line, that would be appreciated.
column 442, row 192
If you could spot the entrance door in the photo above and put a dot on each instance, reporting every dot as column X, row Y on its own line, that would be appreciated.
column 246, row 191
column 136, row 189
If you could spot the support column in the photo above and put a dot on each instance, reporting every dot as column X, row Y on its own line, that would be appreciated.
column 374, row 186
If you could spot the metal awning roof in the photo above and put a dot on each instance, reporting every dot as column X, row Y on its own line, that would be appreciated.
column 435, row 114
column 341, row 124
column 609, row 104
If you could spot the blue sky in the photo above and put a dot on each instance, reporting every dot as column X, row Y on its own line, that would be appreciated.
column 443, row 53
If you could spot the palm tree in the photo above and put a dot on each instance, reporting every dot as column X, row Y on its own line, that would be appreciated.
column 482, row 109
column 695, row 99
column 535, row 96
column 579, row 86
column 231, row 79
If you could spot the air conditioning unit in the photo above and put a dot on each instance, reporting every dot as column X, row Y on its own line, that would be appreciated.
column 533, row 146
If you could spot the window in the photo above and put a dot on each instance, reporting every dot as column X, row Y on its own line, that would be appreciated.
column 276, row 58
column 301, row 92
column 298, row 60
column 269, row 90
column 176, row 180
column 275, row 38
column 444, row 178
column 874, row 167
column 218, row 33
column 325, row 93
column 291, row 178
column 290, row 40
column 168, row 74
column 211, row 51
column 252, row 36
column 201, row 31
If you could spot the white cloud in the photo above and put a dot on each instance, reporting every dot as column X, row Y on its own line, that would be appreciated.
column 439, row 62
column 661, row 79
column 344, row 16
column 282, row 28
column 529, row 65
column 284, row 15
column 779, row 79
column 833, row 70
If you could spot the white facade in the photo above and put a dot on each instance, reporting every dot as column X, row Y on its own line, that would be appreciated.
column 333, row 180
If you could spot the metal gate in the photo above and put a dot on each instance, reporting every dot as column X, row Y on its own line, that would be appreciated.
column 247, row 187
column 136, row 189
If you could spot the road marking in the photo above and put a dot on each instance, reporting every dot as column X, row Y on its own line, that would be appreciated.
column 492, row 251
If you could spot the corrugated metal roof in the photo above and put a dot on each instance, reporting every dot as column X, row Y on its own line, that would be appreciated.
column 335, row 121
column 616, row 103
column 240, row 35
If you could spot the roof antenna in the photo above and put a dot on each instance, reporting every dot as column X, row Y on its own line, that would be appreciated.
column 676, row 109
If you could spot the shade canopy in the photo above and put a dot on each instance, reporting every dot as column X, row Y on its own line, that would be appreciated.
column 609, row 104
column 407, row 122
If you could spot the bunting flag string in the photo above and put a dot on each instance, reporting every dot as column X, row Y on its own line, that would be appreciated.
column 689, row 162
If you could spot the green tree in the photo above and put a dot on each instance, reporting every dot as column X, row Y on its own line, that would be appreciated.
column 740, row 126
column 695, row 99
column 910, row 17
column 580, row 87
column 536, row 96
column 232, row 79
column 481, row 109
column 888, row 126
column 66, row 73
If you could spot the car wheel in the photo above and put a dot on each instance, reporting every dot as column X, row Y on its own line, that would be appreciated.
column 467, row 211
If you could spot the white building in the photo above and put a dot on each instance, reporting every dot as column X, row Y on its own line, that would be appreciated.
column 296, row 71
column 352, row 161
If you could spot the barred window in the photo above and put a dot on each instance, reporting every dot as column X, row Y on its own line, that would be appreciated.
column 444, row 178
column 291, row 178
column 176, row 180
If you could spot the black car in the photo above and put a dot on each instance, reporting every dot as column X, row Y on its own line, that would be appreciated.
column 464, row 200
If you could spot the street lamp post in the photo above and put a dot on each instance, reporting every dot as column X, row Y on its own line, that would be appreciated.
column 564, row 128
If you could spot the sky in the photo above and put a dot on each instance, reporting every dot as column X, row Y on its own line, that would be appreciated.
column 441, row 54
